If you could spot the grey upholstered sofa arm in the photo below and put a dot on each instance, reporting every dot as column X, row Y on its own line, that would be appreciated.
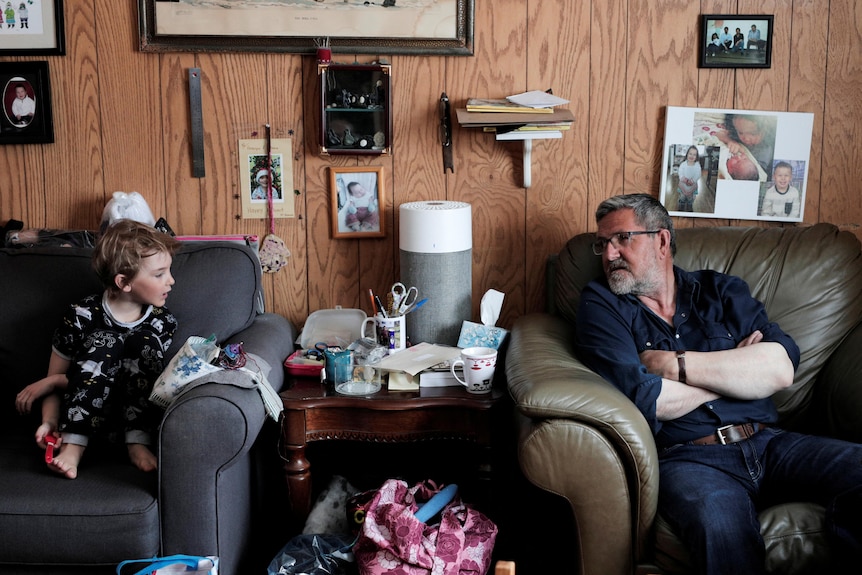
column 584, row 440
column 205, row 437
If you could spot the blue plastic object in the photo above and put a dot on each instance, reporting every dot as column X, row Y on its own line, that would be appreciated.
column 437, row 503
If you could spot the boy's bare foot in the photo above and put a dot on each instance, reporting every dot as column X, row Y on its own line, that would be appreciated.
column 142, row 457
column 66, row 463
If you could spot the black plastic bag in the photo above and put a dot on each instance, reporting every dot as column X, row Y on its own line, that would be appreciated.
column 314, row 555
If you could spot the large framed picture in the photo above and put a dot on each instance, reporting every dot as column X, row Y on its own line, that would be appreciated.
column 301, row 26
column 736, row 164
column 26, row 93
column 32, row 27
column 736, row 41
column 357, row 200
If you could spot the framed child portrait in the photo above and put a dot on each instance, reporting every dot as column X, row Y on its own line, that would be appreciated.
column 26, row 93
column 357, row 199
column 736, row 41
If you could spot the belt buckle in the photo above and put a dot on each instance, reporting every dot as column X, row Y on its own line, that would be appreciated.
column 721, row 438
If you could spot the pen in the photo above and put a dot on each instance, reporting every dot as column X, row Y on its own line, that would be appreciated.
column 380, row 308
column 373, row 305
column 416, row 305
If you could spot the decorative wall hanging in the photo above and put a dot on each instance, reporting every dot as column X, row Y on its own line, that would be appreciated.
column 32, row 28
column 26, row 93
column 357, row 202
column 736, row 41
column 736, row 164
column 352, row 26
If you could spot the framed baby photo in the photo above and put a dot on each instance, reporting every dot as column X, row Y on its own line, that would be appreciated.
column 357, row 200
column 736, row 41
column 736, row 164
column 26, row 93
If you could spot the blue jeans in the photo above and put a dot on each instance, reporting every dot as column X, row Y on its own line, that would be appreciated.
column 711, row 494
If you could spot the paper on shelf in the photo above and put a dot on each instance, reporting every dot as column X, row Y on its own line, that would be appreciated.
column 537, row 99
column 418, row 357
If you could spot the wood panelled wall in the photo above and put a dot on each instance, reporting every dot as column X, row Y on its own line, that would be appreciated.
column 122, row 123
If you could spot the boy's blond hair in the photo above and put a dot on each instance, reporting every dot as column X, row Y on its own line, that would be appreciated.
column 123, row 245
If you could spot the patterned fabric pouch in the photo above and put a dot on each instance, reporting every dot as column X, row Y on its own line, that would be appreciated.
column 194, row 359
column 423, row 529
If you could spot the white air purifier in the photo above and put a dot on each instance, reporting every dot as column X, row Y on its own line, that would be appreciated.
column 436, row 241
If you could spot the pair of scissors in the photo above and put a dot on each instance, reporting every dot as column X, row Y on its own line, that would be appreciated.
column 403, row 297
column 317, row 352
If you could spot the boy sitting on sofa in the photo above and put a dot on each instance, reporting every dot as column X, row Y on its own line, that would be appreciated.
column 108, row 351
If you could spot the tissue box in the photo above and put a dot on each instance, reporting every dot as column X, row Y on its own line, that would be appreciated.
column 479, row 335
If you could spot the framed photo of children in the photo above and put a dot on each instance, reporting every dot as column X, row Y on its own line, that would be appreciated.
column 26, row 93
column 736, row 41
column 736, row 164
column 357, row 199
column 32, row 27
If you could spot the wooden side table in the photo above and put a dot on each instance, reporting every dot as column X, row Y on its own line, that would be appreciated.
column 315, row 412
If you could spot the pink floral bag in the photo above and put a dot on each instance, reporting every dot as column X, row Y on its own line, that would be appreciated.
column 403, row 533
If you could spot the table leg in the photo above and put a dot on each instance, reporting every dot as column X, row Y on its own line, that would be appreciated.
column 297, row 471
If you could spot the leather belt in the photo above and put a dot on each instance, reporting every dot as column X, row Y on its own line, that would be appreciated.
column 730, row 434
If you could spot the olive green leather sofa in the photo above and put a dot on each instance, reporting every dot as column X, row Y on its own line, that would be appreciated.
column 583, row 440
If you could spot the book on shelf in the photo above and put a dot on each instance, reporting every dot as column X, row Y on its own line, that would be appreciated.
column 560, row 126
column 469, row 119
column 496, row 105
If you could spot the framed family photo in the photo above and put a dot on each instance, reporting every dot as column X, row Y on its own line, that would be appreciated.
column 357, row 200
column 26, row 93
column 299, row 26
column 736, row 41
column 32, row 27
column 736, row 164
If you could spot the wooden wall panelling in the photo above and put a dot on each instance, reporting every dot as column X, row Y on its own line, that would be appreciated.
column 129, row 106
column 489, row 180
column 659, row 72
column 842, row 160
column 605, row 119
column 807, row 87
column 182, row 191
column 558, row 57
column 75, row 195
column 286, row 289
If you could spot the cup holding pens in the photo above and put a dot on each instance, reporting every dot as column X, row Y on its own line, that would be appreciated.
column 387, row 331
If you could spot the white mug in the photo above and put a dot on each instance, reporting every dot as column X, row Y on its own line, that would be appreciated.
column 478, row 364
column 388, row 331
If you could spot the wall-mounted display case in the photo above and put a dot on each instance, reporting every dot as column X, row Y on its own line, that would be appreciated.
column 355, row 110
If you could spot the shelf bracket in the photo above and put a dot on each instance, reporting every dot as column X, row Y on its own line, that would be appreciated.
column 528, row 138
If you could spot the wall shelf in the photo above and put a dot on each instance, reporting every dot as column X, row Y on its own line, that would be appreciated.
column 528, row 138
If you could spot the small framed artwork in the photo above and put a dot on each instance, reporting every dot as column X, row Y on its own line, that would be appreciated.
column 32, row 28
column 26, row 92
column 357, row 198
column 736, row 41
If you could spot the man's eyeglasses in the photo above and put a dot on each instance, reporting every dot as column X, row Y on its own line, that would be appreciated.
column 618, row 240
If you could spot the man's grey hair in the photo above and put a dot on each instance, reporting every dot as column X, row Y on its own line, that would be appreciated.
column 648, row 211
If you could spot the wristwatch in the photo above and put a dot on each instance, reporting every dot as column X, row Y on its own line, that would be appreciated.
column 680, row 358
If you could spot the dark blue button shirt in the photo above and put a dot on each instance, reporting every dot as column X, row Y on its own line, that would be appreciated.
column 714, row 311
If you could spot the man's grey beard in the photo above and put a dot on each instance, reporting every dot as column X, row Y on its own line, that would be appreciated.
column 625, row 284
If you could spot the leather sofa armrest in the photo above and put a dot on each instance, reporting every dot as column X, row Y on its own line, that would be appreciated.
column 581, row 438
column 546, row 379
column 838, row 391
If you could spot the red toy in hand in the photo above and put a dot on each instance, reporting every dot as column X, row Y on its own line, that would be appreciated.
column 51, row 439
